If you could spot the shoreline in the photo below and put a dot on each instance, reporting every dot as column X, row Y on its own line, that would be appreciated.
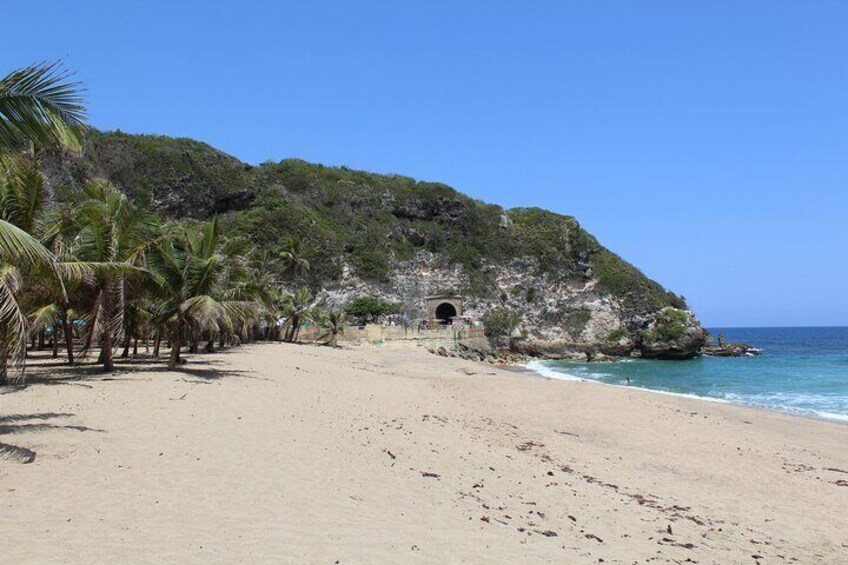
column 835, row 418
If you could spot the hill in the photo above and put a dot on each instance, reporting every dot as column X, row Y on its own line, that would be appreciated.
column 391, row 236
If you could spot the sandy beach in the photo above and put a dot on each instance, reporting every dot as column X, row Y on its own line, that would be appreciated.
column 279, row 453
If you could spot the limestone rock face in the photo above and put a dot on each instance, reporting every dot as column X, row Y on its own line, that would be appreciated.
column 560, row 318
column 673, row 334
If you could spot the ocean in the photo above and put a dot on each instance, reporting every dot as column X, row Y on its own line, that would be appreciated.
column 801, row 371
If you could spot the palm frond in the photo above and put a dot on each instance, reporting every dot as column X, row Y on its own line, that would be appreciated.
column 43, row 317
column 13, row 326
column 41, row 104
column 22, row 192
column 87, row 270
column 204, row 311
column 19, row 248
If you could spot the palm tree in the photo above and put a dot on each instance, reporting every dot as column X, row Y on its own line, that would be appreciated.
column 20, row 254
column 260, row 283
column 22, row 199
column 193, row 293
column 295, row 308
column 38, row 103
column 333, row 322
column 22, row 194
column 112, row 231
column 294, row 258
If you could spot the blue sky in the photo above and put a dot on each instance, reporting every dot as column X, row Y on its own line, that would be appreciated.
column 706, row 142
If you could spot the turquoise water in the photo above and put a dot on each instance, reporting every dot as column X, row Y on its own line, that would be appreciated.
column 801, row 371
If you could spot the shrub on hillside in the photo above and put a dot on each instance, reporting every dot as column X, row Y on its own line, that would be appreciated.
column 370, row 309
column 500, row 324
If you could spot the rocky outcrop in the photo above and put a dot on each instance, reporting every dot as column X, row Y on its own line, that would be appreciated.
column 559, row 319
column 732, row 350
column 438, row 209
column 673, row 334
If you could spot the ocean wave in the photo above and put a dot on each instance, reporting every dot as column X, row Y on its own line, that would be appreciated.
column 800, row 404
column 540, row 368
column 833, row 407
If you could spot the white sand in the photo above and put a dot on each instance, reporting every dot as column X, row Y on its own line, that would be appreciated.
column 298, row 454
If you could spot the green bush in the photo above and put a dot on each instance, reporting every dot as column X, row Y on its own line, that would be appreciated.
column 620, row 278
column 499, row 324
column 669, row 325
column 616, row 335
column 370, row 309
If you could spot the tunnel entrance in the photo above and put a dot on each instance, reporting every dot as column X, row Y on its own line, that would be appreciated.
column 444, row 312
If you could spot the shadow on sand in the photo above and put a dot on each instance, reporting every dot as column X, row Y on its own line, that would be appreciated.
column 13, row 424
column 44, row 370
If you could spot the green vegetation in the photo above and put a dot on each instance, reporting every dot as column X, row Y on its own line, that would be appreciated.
column 620, row 278
column 295, row 308
column 575, row 321
column 669, row 325
column 333, row 323
column 181, row 178
column 500, row 323
column 363, row 220
column 38, row 108
column 370, row 309
column 99, row 268
column 616, row 335
column 185, row 244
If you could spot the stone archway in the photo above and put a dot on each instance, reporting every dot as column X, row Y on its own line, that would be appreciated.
column 441, row 308
column 445, row 311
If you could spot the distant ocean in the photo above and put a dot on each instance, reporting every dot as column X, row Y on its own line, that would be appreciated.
column 801, row 371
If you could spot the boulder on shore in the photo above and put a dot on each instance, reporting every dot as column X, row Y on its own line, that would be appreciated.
column 672, row 334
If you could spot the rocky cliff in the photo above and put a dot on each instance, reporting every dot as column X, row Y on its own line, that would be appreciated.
column 400, row 239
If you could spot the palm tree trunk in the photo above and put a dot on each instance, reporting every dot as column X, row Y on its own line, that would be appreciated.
column 157, row 343
column 126, row 352
column 175, row 347
column 294, row 330
column 106, row 352
column 4, row 376
column 41, row 340
column 135, row 347
column 55, row 338
column 69, row 338
column 106, row 336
